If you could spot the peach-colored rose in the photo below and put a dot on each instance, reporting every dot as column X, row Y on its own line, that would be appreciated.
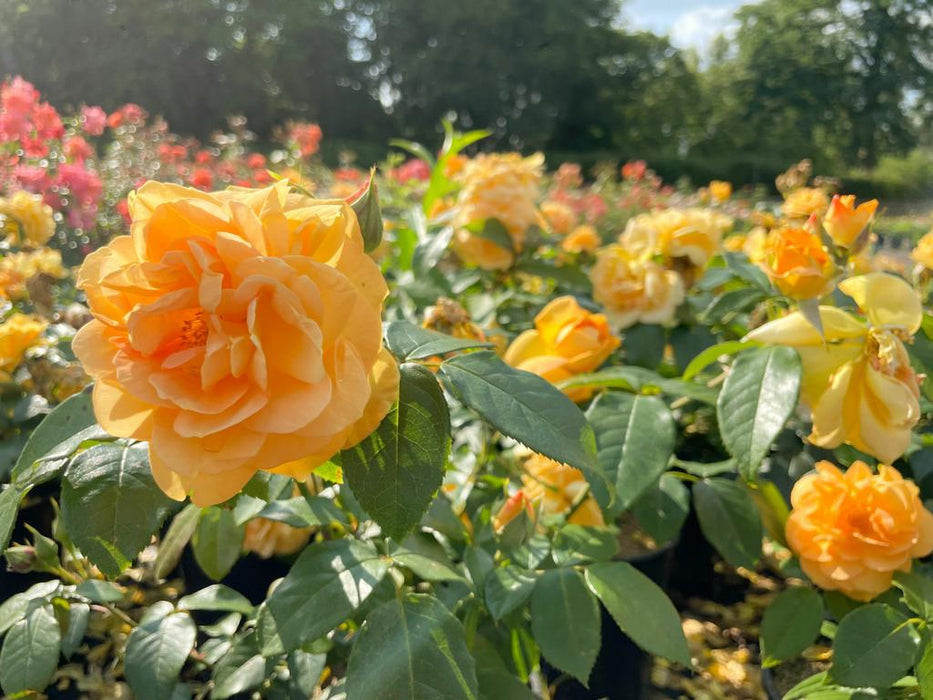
column 236, row 331
column 511, row 509
column 566, row 340
column 502, row 186
column 844, row 221
column 804, row 202
column 583, row 239
column 796, row 262
column 554, row 488
column 268, row 538
column 634, row 290
column 559, row 216
column 853, row 530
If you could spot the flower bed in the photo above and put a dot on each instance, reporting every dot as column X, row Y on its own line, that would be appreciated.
column 459, row 427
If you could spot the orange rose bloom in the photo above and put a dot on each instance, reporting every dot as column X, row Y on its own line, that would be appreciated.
column 796, row 262
column 853, row 530
column 844, row 221
column 565, row 341
column 583, row 239
column 554, row 487
column 17, row 334
column 268, row 538
column 720, row 190
column 236, row 331
column 511, row 509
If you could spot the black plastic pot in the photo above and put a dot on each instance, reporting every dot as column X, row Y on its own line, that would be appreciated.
column 622, row 669
column 694, row 574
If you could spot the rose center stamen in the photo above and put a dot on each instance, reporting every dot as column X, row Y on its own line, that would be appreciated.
column 194, row 331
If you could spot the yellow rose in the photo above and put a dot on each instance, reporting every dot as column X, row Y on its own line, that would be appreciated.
column 501, row 186
column 553, row 488
column 694, row 235
column 634, row 290
column 923, row 253
column 268, row 538
column 567, row 340
column 796, row 262
column 804, row 202
column 17, row 334
column 17, row 268
column 236, row 331
column 26, row 219
column 475, row 250
column 853, row 530
column 583, row 239
column 844, row 222
column 720, row 190
column 559, row 216
column 858, row 381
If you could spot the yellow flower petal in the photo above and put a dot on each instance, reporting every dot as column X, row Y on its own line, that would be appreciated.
column 887, row 300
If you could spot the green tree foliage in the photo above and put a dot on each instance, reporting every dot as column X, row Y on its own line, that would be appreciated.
column 843, row 82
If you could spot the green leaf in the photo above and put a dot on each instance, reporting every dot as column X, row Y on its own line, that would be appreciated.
column 111, row 505
column 10, row 498
column 729, row 520
column 100, row 591
column 565, row 622
column 241, row 669
column 791, row 624
column 429, row 252
column 663, row 509
column 327, row 583
column 304, row 672
column 78, row 616
column 414, row 148
column 875, row 645
column 732, row 302
column 758, row 397
column 15, row 608
column 918, row 592
column 176, row 539
column 644, row 345
column 507, row 587
column 495, row 232
column 711, row 354
column 369, row 214
column 217, row 542
column 155, row 654
column 924, row 671
column 30, row 652
column 529, row 409
column 640, row 608
column 395, row 472
column 410, row 342
column 425, row 564
column 408, row 649
column 303, row 512
column 496, row 681
column 574, row 544
column 216, row 597
column 71, row 416
column 635, row 436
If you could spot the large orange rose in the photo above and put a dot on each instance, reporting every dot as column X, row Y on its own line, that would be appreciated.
column 853, row 530
column 844, row 222
column 236, row 331
column 566, row 340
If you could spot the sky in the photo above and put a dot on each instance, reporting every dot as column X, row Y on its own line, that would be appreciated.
column 690, row 23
